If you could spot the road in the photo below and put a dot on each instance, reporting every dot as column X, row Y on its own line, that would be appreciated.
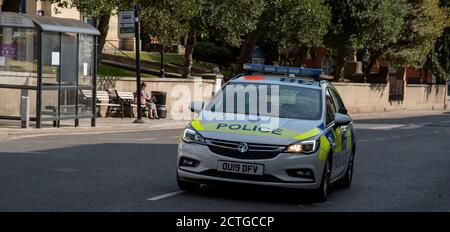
column 401, row 165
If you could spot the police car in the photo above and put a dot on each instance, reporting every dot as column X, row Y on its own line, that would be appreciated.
column 272, row 126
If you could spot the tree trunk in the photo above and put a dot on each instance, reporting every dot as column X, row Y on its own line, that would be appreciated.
column 190, row 44
column 300, row 56
column 341, row 61
column 246, row 50
column 372, row 61
column 103, row 27
column 145, row 41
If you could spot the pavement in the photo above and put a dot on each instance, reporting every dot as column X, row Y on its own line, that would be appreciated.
column 10, row 130
column 402, row 164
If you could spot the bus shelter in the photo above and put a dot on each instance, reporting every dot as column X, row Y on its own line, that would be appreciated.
column 48, row 69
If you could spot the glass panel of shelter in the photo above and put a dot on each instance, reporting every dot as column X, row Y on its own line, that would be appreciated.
column 85, row 73
column 67, row 70
column 68, row 75
column 18, row 56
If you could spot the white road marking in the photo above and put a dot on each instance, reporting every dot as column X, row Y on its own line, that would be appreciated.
column 167, row 195
column 386, row 127
column 125, row 139
column 146, row 139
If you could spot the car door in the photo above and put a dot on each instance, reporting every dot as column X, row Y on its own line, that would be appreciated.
column 345, row 132
column 334, row 135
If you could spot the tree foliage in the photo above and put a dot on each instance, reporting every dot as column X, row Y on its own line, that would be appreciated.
column 439, row 59
column 91, row 8
column 362, row 24
column 229, row 19
column 423, row 25
column 292, row 25
column 165, row 20
column 302, row 23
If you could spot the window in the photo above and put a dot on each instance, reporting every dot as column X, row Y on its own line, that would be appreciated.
column 261, row 99
column 17, row 55
column 339, row 105
column 331, row 109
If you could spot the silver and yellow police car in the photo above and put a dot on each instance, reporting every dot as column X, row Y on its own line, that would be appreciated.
column 271, row 126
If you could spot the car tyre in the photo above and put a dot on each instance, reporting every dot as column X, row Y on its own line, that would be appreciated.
column 321, row 194
column 187, row 186
column 346, row 182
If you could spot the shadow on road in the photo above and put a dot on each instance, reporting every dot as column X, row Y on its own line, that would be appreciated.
column 96, row 177
column 258, row 194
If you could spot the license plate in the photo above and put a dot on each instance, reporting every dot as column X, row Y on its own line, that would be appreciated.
column 243, row 168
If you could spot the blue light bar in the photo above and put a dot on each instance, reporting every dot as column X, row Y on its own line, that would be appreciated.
column 313, row 72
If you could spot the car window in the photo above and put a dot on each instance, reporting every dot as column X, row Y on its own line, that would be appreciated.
column 339, row 105
column 331, row 109
column 258, row 99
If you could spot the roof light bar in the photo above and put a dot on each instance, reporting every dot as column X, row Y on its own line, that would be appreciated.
column 313, row 72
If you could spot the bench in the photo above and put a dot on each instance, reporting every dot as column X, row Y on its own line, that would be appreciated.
column 64, row 109
column 103, row 99
column 127, row 100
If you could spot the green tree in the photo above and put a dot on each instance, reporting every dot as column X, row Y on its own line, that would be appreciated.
column 99, row 9
column 424, row 24
column 163, row 21
column 362, row 24
column 439, row 59
column 227, row 19
column 303, row 25
column 293, row 25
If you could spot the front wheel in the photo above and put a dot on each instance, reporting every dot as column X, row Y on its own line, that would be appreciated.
column 321, row 194
column 187, row 186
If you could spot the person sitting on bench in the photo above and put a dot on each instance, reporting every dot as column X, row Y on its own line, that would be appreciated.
column 149, row 102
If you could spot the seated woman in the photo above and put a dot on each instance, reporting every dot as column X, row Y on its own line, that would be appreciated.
column 149, row 102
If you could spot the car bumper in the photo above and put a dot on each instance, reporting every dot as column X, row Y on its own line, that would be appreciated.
column 275, row 169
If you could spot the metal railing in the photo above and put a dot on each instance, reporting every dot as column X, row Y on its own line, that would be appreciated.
column 116, row 49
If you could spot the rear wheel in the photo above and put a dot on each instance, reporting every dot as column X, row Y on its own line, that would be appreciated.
column 321, row 194
column 346, row 182
column 187, row 186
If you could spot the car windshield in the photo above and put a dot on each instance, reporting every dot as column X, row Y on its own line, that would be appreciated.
column 281, row 101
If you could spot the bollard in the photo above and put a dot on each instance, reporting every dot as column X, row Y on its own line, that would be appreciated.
column 25, row 112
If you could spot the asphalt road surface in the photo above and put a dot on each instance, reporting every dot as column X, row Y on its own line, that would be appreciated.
column 400, row 165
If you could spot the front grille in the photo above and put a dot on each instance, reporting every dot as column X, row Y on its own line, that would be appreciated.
column 238, row 176
column 255, row 151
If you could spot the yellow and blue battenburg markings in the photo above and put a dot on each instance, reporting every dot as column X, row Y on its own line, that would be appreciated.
column 255, row 129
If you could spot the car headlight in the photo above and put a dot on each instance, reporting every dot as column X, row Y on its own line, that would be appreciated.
column 192, row 136
column 305, row 147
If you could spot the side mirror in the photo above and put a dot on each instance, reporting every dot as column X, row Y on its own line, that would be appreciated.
column 343, row 111
column 342, row 119
column 196, row 106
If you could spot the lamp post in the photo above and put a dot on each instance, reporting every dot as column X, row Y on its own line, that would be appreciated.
column 366, row 64
column 162, row 61
column 137, row 34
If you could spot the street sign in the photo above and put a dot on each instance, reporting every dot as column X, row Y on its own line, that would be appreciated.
column 126, row 24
